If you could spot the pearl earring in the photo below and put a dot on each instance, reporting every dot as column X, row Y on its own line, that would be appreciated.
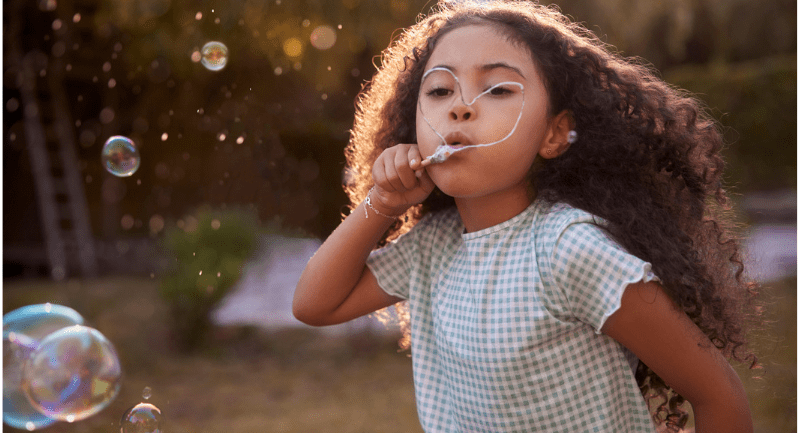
column 572, row 136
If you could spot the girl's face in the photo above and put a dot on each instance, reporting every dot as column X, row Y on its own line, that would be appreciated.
column 480, row 88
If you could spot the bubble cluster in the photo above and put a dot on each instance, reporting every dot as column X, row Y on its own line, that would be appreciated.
column 73, row 374
column 23, row 329
column 142, row 418
column 214, row 55
column 120, row 156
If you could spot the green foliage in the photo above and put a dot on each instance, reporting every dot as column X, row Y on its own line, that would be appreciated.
column 208, row 251
column 757, row 104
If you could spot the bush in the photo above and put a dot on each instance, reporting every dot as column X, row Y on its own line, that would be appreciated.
column 209, row 251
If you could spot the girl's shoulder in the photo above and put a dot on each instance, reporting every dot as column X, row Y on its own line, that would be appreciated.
column 552, row 219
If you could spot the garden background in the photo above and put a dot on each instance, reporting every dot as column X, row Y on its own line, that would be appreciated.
column 243, row 166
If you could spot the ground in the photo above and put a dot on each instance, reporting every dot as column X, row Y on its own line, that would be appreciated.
column 300, row 381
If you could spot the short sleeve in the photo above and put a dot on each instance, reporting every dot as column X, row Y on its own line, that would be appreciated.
column 593, row 271
column 392, row 264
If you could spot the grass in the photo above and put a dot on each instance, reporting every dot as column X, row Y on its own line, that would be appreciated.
column 301, row 381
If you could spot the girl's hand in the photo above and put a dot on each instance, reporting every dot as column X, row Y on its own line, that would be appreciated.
column 401, row 180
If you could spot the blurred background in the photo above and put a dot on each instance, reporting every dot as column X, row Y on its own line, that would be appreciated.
column 188, row 265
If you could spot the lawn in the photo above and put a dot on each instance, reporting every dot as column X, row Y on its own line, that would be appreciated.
column 301, row 381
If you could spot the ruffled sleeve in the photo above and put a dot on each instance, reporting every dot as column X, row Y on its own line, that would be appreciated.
column 592, row 271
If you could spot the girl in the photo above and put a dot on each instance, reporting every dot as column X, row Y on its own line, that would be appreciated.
column 563, row 253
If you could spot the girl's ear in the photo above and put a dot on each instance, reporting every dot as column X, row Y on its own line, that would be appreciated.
column 556, row 140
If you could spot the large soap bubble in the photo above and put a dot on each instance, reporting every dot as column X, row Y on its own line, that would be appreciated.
column 142, row 418
column 120, row 156
column 214, row 55
column 73, row 374
column 23, row 330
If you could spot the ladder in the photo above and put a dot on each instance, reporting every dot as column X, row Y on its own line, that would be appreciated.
column 50, row 141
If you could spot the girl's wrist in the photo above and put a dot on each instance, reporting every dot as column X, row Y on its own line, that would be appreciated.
column 375, row 206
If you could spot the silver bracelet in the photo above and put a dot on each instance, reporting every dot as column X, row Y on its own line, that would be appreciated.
column 368, row 203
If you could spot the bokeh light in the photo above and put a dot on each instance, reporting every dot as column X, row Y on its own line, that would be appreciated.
column 120, row 156
column 323, row 37
column 293, row 47
column 214, row 55
column 73, row 374
column 23, row 329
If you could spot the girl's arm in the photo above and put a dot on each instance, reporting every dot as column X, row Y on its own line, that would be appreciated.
column 663, row 337
column 336, row 285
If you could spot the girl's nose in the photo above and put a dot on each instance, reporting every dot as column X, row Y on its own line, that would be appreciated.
column 461, row 111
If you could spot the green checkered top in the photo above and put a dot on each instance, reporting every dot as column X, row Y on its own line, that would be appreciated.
column 505, row 323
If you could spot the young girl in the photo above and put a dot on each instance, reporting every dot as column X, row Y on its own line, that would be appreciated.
column 563, row 254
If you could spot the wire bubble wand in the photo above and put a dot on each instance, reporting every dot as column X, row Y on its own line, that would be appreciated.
column 444, row 151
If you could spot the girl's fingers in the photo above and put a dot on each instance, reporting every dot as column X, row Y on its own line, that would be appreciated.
column 392, row 178
column 404, row 171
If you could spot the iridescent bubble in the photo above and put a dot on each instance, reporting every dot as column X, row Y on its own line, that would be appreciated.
column 120, row 156
column 214, row 55
column 147, row 392
column 142, row 418
column 323, row 37
column 73, row 374
column 23, row 329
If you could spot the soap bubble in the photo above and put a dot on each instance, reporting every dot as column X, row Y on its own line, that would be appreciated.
column 23, row 329
column 323, row 37
column 142, row 418
column 73, row 374
column 120, row 156
column 147, row 392
column 215, row 55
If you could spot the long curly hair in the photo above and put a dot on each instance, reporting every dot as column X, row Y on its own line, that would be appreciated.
column 647, row 161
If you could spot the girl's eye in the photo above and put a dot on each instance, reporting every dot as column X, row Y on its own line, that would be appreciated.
column 439, row 91
column 500, row 91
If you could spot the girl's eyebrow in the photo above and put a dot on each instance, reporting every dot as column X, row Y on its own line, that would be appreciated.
column 485, row 68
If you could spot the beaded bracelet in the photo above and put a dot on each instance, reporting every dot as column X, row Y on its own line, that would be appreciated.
column 368, row 203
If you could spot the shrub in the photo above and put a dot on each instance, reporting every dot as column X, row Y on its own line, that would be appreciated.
column 207, row 252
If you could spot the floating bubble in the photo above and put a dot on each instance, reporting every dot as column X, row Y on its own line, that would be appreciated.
column 323, row 37
column 147, row 392
column 73, row 374
column 214, row 55
column 120, row 156
column 23, row 329
column 142, row 418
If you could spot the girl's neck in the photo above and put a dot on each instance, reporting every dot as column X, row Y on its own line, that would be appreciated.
column 478, row 213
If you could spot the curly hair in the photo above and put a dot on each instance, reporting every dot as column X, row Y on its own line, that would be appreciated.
column 647, row 162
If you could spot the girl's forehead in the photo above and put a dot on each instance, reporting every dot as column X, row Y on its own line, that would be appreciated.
column 478, row 45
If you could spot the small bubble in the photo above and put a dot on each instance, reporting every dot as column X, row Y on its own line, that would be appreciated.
column 306, row 23
column 106, row 66
column 164, row 136
column 142, row 418
column 112, row 83
column 324, row 96
column 76, row 18
column 240, row 140
column 215, row 224
column 221, row 137
column 198, row 16
column 216, row 20
column 120, row 156
column 278, row 70
column 214, row 55
column 57, row 24
column 219, row 274
column 201, row 273
column 147, row 392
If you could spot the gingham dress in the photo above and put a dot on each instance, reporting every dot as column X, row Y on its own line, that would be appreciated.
column 505, row 323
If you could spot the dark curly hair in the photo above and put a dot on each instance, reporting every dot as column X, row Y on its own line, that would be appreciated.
column 647, row 161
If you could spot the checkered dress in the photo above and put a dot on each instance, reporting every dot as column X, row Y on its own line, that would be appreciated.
column 505, row 323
